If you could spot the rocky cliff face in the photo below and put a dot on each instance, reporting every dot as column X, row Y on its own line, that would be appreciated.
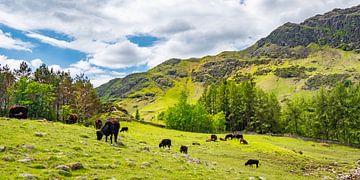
column 339, row 28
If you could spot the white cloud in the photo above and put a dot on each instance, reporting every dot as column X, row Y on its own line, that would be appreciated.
column 96, row 75
column 121, row 55
column 187, row 29
column 7, row 42
column 36, row 63
column 15, row 63
column 12, row 63
column 55, row 67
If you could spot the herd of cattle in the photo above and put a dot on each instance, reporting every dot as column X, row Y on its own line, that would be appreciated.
column 112, row 126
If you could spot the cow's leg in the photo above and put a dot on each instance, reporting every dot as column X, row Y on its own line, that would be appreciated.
column 257, row 165
column 106, row 138
column 115, row 137
column 111, row 138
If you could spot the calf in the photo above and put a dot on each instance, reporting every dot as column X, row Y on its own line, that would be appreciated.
column 72, row 119
column 243, row 141
column 19, row 112
column 213, row 137
column 251, row 162
column 110, row 128
column 123, row 129
column 184, row 149
column 98, row 124
column 231, row 136
column 165, row 142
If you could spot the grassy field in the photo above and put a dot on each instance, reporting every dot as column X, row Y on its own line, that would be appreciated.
column 60, row 144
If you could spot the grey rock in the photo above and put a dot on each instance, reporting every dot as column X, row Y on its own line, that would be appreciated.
column 28, row 176
column 63, row 167
column 147, row 149
column 40, row 134
column 27, row 159
column 76, row 166
column 28, row 146
column 2, row 148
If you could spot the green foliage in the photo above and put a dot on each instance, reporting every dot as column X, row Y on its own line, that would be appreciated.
column 47, row 94
column 244, row 106
column 195, row 118
column 137, row 114
column 65, row 112
column 332, row 114
column 7, row 80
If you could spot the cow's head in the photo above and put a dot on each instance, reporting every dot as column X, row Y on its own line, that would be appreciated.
column 99, row 135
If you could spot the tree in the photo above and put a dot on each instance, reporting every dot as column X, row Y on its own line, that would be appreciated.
column 7, row 80
column 23, row 71
column 137, row 114
column 187, row 117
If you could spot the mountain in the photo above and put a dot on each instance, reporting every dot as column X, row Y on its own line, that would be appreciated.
column 293, row 60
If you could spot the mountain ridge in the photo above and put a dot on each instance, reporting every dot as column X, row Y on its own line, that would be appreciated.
column 293, row 59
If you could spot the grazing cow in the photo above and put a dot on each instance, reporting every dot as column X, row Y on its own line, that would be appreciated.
column 243, row 141
column 238, row 136
column 213, row 137
column 110, row 128
column 222, row 139
column 123, row 129
column 165, row 142
column 231, row 136
column 72, row 119
column 19, row 112
column 183, row 149
column 196, row 143
column 251, row 162
column 98, row 124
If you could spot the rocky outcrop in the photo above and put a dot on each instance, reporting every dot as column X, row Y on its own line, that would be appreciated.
column 339, row 28
column 217, row 70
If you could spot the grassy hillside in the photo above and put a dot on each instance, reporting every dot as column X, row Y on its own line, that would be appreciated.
column 287, row 77
column 62, row 144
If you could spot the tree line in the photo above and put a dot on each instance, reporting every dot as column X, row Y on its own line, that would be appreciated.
column 332, row 114
column 49, row 94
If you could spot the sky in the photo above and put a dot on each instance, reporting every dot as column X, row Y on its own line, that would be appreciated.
column 113, row 38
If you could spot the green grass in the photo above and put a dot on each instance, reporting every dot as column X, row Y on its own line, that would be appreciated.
column 66, row 144
column 171, row 96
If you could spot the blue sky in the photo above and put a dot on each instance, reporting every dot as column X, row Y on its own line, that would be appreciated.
column 111, row 38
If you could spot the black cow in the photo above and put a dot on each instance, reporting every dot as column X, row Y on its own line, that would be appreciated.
column 184, row 149
column 251, row 162
column 110, row 128
column 238, row 136
column 72, row 119
column 165, row 142
column 98, row 124
column 19, row 112
column 213, row 137
column 231, row 136
column 124, row 129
